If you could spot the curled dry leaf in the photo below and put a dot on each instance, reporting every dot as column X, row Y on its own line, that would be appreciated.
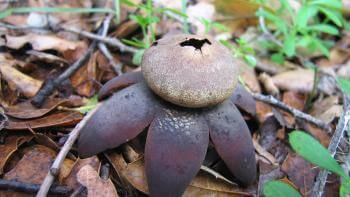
column 204, row 184
column 96, row 186
column 263, row 153
column 299, row 80
column 26, row 110
column 58, row 119
column 35, row 164
column 22, row 82
column 9, row 147
column 71, row 180
column 43, row 42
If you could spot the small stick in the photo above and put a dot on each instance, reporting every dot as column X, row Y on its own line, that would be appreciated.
column 110, row 41
column 31, row 188
column 50, row 85
column 297, row 113
column 103, row 48
column 342, row 126
column 54, row 170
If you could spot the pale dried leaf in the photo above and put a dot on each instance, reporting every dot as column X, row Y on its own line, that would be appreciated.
column 96, row 186
column 300, row 80
column 24, row 83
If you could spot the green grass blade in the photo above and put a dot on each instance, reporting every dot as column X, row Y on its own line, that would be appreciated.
column 19, row 10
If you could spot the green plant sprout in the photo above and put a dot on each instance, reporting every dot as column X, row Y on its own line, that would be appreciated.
column 301, row 29
column 242, row 50
column 311, row 150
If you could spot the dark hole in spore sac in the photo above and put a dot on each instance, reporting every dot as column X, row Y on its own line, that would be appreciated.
column 196, row 43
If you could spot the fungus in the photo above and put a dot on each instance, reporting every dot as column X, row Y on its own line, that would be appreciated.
column 190, row 71
column 185, row 96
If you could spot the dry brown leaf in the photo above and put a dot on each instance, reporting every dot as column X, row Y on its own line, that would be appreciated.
column 268, row 173
column 318, row 133
column 58, row 119
column 263, row 111
column 43, row 42
column 263, row 153
column 84, row 79
column 9, row 147
column 26, row 110
column 323, row 105
column 24, row 83
column 241, row 10
column 71, row 180
column 96, row 186
column 35, row 164
column 300, row 80
column 295, row 100
column 204, row 184
column 300, row 172
column 330, row 114
column 249, row 76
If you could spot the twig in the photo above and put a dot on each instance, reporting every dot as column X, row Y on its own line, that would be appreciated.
column 63, row 153
column 31, row 188
column 50, row 85
column 342, row 126
column 110, row 41
column 103, row 48
column 297, row 113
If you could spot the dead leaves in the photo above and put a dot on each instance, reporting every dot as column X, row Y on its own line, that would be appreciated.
column 204, row 184
column 10, row 146
column 300, row 80
column 68, row 118
column 96, row 186
column 35, row 164
column 22, row 82
column 44, row 42
column 26, row 110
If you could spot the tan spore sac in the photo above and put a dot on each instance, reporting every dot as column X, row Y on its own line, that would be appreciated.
column 189, row 70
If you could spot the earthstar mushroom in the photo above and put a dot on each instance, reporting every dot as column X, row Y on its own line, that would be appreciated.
column 190, row 71
column 185, row 96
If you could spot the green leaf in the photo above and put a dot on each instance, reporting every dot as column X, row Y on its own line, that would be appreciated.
column 311, row 150
column 279, row 188
column 138, row 19
column 329, row 29
column 129, row 3
column 136, row 59
column 220, row 26
column 345, row 188
column 117, row 11
column 334, row 4
column 302, row 17
column 278, row 58
column 18, row 10
column 344, row 84
column 250, row 60
column 289, row 45
column 334, row 16
column 321, row 47
column 92, row 102
column 134, row 42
